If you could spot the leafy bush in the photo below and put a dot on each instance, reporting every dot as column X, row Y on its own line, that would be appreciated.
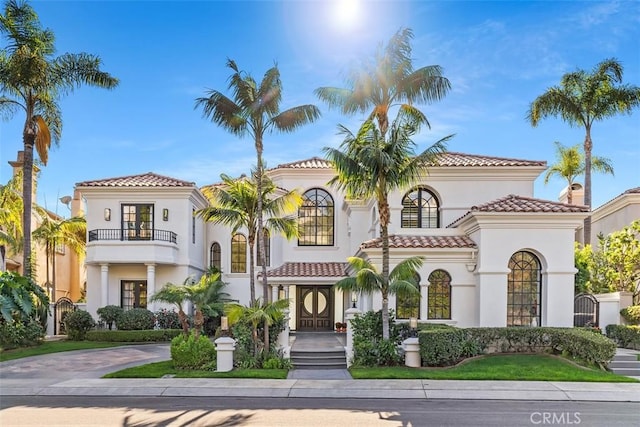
column 444, row 347
column 631, row 314
column 167, row 319
column 243, row 355
column 136, row 319
column 277, row 362
column 153, row 335
column 77, row 324
column 191, row 353
column 369, row 349
column 20, row 334
column 110, row 314
column 583, row 345
column 625, row 336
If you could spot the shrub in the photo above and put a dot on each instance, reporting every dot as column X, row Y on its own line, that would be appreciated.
column 20, row 334
column 153, row 335
column 136, row 319
column 625, row 336
column 444, row 347
column 583, row 345
column 77, row 324
column 631, row 314
column 167, row 319
column 110, row 314
column 277, row 362
column 191, row 353
column 369, row 349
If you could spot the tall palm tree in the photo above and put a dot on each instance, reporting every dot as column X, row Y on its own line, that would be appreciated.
column 176, row 295
column 10, row 219
column 254, row 111
column 570, row 164
column 368, row 165
column 386, row 81
column 582, row 99
column 32, row 79
column 70, row 232
column 235, row 203
column 367, row 279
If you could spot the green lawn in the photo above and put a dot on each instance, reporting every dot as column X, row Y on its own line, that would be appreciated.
column 518, row 367
column 160, row 369
column 48, row 347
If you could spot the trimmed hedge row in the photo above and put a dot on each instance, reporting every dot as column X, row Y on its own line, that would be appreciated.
column 150, row 335
column 444, row 347
column 625, row 336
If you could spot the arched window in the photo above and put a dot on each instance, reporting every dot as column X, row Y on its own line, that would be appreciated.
column 420, row 209
column 267, row 248
column 523, row 290
column 215, row 256
column 316, row 219
column 238, row 253
column 439, row 295
column 409, row 305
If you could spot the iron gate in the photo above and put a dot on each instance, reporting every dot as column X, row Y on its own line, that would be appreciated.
column 586, row 310
column 60, row 309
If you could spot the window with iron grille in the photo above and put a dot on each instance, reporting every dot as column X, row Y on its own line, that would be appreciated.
column 215, row 256
column 238, row 253
column 524, row 290
column 420, row 209
column 316, row 219
column 439, row 295
column 408, row 306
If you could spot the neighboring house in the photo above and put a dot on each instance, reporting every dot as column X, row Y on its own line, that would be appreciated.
column 494, row 254
column 69, row 276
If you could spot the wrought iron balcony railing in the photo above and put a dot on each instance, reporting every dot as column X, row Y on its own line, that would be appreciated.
column 119, row 234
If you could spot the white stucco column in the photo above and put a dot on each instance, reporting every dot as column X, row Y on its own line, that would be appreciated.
column 424, row 302
column 151, row 285
column 104, row 285
column 274, row 293
column 349, row 315
column 492, row 298
column 224, row 353
column 283, row 337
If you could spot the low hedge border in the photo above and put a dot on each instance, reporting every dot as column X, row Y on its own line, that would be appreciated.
column 626, row 336
column 148, row 335
column 442, row 347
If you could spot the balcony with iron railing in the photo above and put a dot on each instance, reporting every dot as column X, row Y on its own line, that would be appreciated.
column 113, row 245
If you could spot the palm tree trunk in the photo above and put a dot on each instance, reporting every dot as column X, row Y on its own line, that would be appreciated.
column 53, row 272
column 383, row 207
column 588, row 145
column 29, row 137
column 252, row 269
column 263, row 249
column 182, row 316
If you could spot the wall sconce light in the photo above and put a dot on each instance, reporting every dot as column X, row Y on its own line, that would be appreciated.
column 280, row 292
column 107, row 214
column 354, row 299
column 165, row 214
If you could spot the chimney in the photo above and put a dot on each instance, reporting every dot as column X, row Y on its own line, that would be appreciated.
column 577, row 194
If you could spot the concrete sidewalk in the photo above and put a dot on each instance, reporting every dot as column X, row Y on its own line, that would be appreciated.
column 78, row 373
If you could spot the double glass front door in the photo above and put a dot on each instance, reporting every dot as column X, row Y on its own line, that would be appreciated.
column 314, row 308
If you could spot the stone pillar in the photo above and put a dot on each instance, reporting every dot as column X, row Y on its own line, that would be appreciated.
column 274, row 293
column 424, row 301
column 104, row 285
column 349, row 315
column 283, row 337
column 151, row 284
column 224, row 348
column 411, row 347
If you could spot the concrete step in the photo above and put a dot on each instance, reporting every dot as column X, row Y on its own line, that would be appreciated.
column 624, row 364
column 319, row 359
column 625, row 357
column 627, row 372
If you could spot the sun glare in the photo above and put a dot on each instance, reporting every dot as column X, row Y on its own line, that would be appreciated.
column 346, row 13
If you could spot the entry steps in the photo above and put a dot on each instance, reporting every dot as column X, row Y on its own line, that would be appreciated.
column 625, row 363
column 319, row 359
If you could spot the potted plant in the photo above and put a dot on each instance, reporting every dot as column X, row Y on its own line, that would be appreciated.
column 341, row 327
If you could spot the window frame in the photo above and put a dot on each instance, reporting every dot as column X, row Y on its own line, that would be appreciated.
column 524, row 260
column 439, row 295
column 412, row 213
column 242, row 253
column 312, row 203
column 135, row 229
column 137, row 293
column 215, row 256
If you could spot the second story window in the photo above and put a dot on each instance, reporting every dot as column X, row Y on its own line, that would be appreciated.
column 215, row 256
column 238, row 253
column 420, row 209
column 137, row 221
column 316, row 219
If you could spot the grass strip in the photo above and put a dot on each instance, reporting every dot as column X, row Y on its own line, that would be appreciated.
column 160, row 369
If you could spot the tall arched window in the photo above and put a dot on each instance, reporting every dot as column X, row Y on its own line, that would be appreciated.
column 215, row 256
column 524, row 290
column 238, row 253
column 267, row 248
column 420, row 209
column 439, row 295
column 316, row 219
column 409, row 305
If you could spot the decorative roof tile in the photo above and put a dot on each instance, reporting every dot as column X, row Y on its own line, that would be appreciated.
column 403, row 241
column 312, row 163
column 632, row 191
column 149, row 179
column 453, row 159
column 310, row 269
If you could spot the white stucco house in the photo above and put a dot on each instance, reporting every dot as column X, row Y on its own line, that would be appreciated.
column 494, row 254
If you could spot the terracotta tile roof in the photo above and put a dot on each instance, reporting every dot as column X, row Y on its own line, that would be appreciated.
column 402, row 241
column 310, row 269
column 312, row 163
column 149, row 179
column 453, row 159
column 513, row 203
column 632, row 191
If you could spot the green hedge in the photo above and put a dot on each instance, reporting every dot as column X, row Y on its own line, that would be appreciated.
column 625, row 336
column 150, row 335
column 442, row 347
column 631, row 314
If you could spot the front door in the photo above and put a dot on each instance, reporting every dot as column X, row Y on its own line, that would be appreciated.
column 315, row 308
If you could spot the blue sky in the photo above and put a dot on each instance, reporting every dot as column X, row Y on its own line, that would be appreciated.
column 499, row 56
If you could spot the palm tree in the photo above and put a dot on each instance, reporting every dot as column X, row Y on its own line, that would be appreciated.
column 371, row 166
column 367, row 279
column 69, row 232
column 254, row 111
column 570, row 165
column 388, row 80
column 235, row 204
column 176, row 295
column 33, row 80
column 255, row 314
column 582, row 99
column 10, row 219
